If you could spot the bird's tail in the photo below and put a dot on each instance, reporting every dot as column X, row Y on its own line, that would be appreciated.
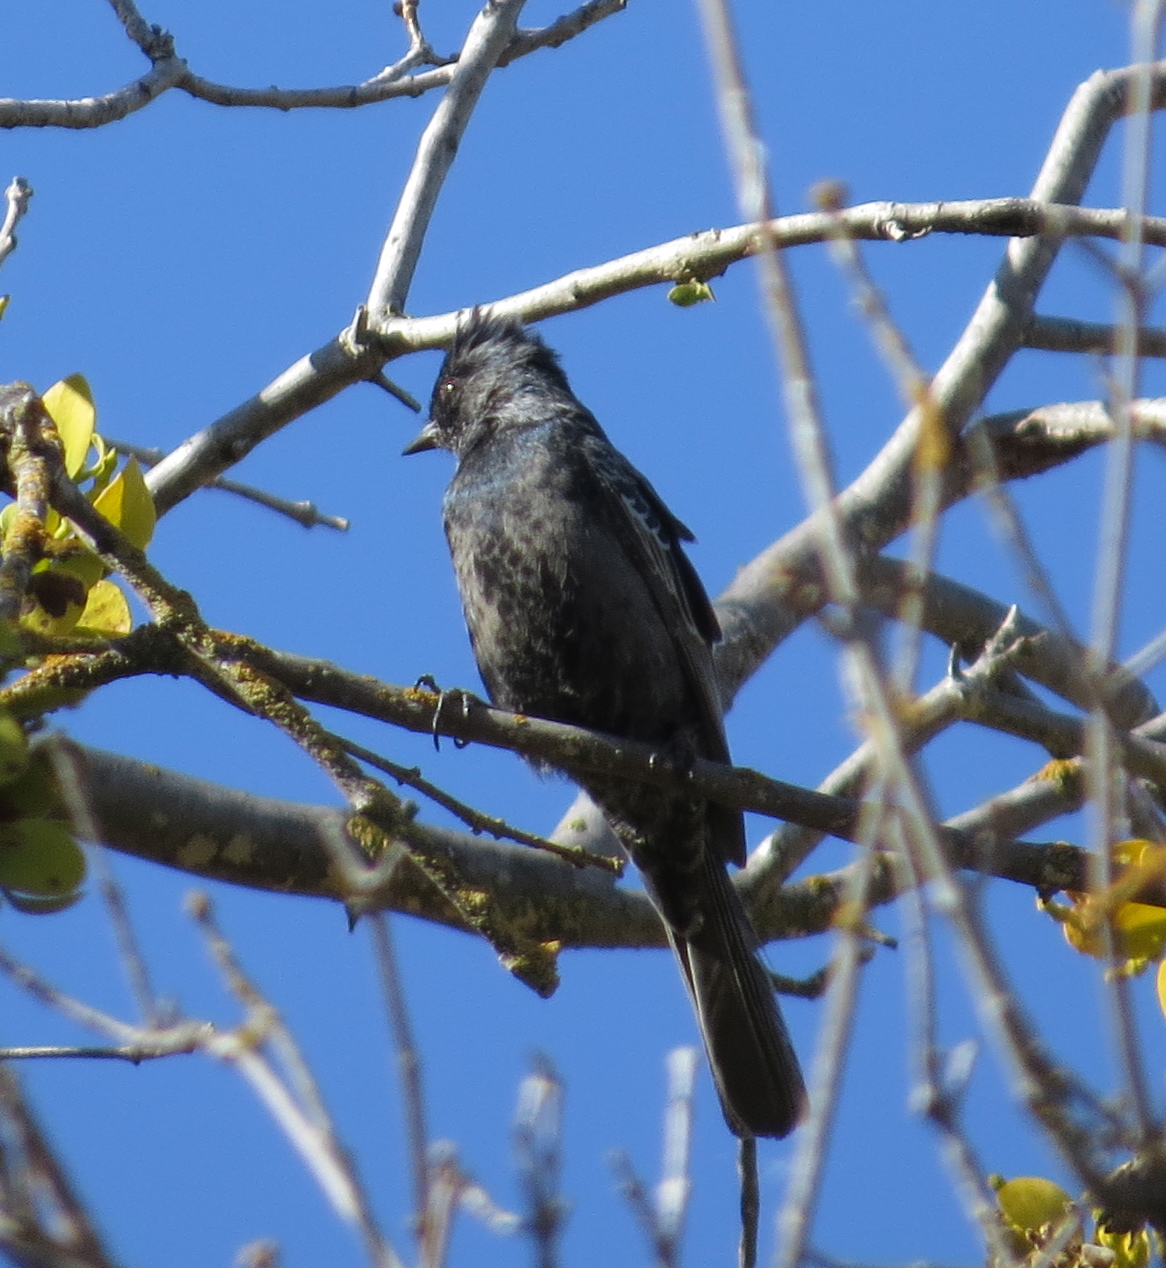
column 753, row 1062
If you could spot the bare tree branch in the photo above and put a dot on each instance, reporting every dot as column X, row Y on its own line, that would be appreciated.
column 349, row 358
column 771, row 595
column 94, row 112
column 44, row 1223
column 16, row 199
column 305, row 513
column 1065, row 334
column 171, row 71
column 485, row 43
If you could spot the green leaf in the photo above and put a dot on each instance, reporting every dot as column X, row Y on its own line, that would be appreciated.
column 127, row 504
column 29, row 906
column 13, row 748
column 11, row 648
column 4, row 304
column 39, row 857
column 106, row 461
column 685, row 294
column 70, row 406
column 34, row 794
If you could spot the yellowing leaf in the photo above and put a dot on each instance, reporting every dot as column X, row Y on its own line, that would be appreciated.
column 126, row 503
column 106, row 612
column 1030, row 1203
column 40, row 857
column 70, row 406
column 60, row 621
column 1132, row 1250
column 4, row 304
column 1137, row 930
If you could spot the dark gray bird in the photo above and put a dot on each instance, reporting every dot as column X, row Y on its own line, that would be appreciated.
column 583, row 608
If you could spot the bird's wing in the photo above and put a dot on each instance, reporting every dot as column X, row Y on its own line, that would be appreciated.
column 651, row 536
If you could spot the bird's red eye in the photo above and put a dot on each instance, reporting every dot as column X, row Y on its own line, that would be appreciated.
column 447, row 386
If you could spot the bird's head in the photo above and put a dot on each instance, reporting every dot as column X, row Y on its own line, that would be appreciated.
column 494, row 373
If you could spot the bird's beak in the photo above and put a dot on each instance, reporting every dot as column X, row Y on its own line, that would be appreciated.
column 426, row 438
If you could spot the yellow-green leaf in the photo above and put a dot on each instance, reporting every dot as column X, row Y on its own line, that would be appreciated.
column 40, row 857
column 34, row 795
column 104, row 464
column 4, row 304
column 77, row 560
column 126, row 502
column 1030, row 1203
column 11, row 648
column 685, row 294
column 106, row 612
column 70, row 406
column 38, row 621
column 13, row 748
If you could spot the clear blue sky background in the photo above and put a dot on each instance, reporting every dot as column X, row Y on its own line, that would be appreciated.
column 185, row 256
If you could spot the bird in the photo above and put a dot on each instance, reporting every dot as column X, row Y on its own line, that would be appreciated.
column 582, row 607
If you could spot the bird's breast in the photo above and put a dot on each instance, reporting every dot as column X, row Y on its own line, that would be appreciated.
column 562, row 624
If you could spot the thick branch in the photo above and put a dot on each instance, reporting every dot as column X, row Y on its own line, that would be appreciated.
column 242, row 839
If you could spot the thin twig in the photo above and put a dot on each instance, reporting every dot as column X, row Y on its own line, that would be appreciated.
column 663, row 1220
column 305, row 513
column 16, row 197
column 476, row 820
column 170, row 71
column 934, row 449
column 134, row 1053
column 1067, row 334
column 942, row 1079
column 46, row 1194
column 675, row 1188
column 293, row 1101
column 538, row 1130
column 71, row 787
column 152, row 40
column 410, row 1074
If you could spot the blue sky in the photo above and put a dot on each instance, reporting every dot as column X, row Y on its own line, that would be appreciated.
column 183, row 257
